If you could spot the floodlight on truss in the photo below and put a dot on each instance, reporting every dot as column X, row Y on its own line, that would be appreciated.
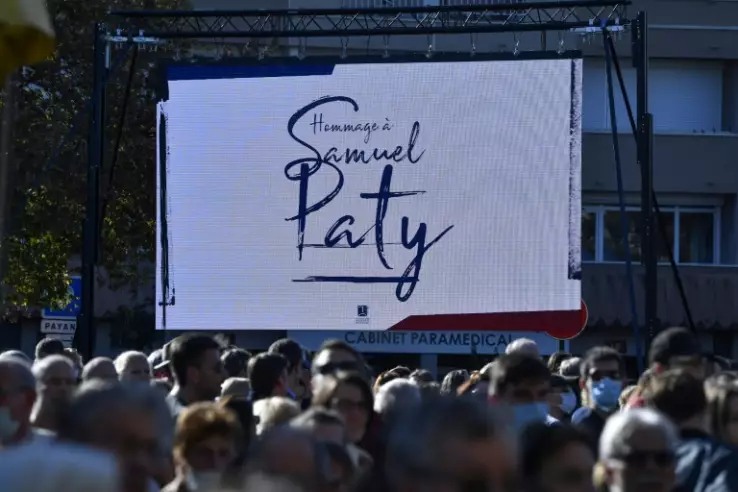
column 466, row 19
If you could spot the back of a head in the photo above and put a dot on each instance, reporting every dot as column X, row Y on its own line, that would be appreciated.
column 96, row 397
column 316, row 416
column 274, row 412
column 49, row 346
column 99, row 368
column 397, row 397
column 289, row 349
column 516, row 368
column 422, row 376
column 413, row 442
column 187, row 350
column 554, row 362
column 570, row 368
column 540, row 441
column 41, row 366
column 524, row 346
column 21, row 371
column 235, row 361
column 235, row 387
column 264, row 371
column 673, row 342
column 678, row 395
column 621, row 426
column 58, row 468
column 453, row 380
column 16, row 354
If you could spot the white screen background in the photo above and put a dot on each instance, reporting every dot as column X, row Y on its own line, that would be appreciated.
column 501, row 165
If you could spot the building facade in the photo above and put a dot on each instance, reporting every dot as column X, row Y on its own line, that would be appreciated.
column 693, row 95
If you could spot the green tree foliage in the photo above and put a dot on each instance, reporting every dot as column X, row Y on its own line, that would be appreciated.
column 47, row 207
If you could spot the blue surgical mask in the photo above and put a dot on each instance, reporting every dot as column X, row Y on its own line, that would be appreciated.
column 529, row 413
column 605, row 394
column 568, row 402
column 8, row 426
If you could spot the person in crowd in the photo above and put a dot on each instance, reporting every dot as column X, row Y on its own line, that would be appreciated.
column 478, row 384
column 349, row 394
column 626, row 395
column 451, row 444
column 207, row 440
column 198, row 371
column 524, row 383
column 429, row 390
column 703, row 462
column 601, row 382
column 76, row 358
column 56, row 379
column 235, row 387
column 47, row 347
column 570, row 368
column 636, row 399
column 385, row 378
column 562, row 399
column 554, row 362
column 17, row 354
column 419, row 376
column 323, row 424
column 453, row 380
column 58, row 468
column 293, row 454
column 524, row 346
column 162, row 385
column 125, row 420
column 343, row 468
column 396, row 398
column 235, row 362
column 677, row 348
column 99, row 368
column 274, row 411
column 298, row 375
column 337, row 355
column 160, row 368
column 722, row 401
column 268, row 374
column 133, row 366
column 402, row 371
column 637, row 452
column 556, row 458
column 17, row 398
column 243, row 409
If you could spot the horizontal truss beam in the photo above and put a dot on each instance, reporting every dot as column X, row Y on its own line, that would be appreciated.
column 471, row 19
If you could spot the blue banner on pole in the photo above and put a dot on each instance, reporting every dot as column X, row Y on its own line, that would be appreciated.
column 71, row 310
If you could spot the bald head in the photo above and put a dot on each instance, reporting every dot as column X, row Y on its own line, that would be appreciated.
column 17, row 354
column 100, row 368
column 235, row 387
column 16, row 373
column 18, row 386
column 56, row 376
column 524, row 346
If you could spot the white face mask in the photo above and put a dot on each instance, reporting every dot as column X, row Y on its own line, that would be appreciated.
column 568, row 402
column 8, row 426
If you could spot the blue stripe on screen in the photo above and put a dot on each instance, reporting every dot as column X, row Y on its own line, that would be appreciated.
column 210, row 72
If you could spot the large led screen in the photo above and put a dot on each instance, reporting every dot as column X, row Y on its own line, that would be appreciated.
column 371, row 196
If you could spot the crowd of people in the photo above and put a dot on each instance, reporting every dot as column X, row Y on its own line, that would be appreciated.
column 199, row 415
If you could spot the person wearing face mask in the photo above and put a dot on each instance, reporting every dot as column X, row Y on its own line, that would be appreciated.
column 562, row 400
column 523, row 383
column 601, row 382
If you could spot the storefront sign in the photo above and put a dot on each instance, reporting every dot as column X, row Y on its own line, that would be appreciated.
column 426, row 342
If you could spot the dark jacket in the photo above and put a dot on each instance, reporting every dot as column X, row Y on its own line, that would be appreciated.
column 591, row 423
column 705, row 464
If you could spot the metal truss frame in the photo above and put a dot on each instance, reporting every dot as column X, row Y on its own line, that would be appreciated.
column 513, row 17
column 142, row 28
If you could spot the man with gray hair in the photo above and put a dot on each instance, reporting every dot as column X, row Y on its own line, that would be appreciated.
column 125, row 420
column 460, row 441
column 637, row 449
column 56, row 378
column 524, row 346
column 99, row 368
column 133, row 366
column 396, row 398
column 18, row 390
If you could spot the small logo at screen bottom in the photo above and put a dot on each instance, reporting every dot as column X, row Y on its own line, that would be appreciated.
column 362, row 314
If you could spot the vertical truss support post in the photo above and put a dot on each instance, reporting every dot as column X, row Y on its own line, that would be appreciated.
column 84, row 338
column 644, row 142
